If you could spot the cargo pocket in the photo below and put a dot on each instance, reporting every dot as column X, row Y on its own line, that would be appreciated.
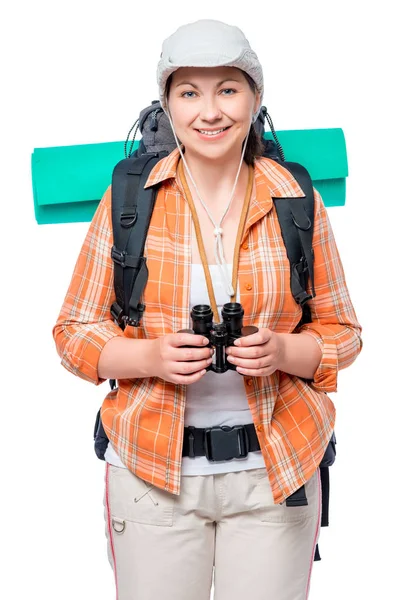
column 281, row 513
column 132, row 499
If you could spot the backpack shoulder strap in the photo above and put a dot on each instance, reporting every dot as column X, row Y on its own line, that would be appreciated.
column 296, row 219
column 132, row 207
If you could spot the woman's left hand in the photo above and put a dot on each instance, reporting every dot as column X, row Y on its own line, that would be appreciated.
column 257, row 355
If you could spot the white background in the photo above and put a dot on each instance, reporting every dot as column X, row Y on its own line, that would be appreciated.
column 79, row 72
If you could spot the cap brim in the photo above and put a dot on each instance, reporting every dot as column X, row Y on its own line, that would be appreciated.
column 205, row 60
column 201, row 60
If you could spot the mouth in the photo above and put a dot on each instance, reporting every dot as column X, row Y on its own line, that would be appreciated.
column 212, row 133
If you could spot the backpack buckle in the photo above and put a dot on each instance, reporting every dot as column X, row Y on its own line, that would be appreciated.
column 117, row 313
column 135, row 322
column 302, row 221
column 225, row 443
column 128, row 219
column 302, row 266
column 300, row 272
column 118, row 256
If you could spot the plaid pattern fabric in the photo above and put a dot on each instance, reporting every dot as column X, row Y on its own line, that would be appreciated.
column 144, row 417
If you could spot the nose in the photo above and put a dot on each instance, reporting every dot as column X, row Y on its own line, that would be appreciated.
column 210, row 110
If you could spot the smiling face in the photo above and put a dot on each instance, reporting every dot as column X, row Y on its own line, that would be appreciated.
column 211, row 109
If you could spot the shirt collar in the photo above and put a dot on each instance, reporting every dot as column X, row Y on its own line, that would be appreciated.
column 269, row 178
column 165, row 169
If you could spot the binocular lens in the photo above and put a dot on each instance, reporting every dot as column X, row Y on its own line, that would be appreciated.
column 232, row 314
column 232, row 309
column 202, row 311
column 202, row 317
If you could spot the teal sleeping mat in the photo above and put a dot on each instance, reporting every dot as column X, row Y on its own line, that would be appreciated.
column 69, row 181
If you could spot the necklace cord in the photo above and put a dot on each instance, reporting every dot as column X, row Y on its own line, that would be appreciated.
column 246, row 204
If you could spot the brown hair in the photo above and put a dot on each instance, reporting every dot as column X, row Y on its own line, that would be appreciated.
column 254, row 147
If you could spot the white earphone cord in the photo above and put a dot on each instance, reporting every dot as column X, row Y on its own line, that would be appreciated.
column 218, row 248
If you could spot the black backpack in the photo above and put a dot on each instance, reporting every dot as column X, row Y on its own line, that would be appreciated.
column 132, row 207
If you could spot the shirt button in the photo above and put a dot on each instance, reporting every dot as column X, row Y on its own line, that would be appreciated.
column 248, row 287
column 245, row 246
column 249, row 381
column 260, row 427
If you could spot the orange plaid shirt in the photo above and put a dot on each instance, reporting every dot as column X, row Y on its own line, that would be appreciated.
column 144, row 418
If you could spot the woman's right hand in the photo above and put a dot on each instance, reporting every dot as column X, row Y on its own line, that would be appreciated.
column 177, row 364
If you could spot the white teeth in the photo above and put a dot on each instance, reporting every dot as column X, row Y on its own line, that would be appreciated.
column 212, row 132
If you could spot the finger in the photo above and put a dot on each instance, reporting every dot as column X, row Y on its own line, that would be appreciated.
column 187, row 368
column 261, row 337
column 188, row 339
column 256, row 372
column 191, row 354
column 250, row 363
column 249, row 352
column 188, row 379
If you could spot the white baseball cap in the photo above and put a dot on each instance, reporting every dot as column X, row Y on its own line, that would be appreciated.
column 207, row 43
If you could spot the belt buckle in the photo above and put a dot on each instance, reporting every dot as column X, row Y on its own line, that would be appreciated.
column 226, row 443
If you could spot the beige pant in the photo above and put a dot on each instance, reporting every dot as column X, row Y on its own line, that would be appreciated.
column 164, row 547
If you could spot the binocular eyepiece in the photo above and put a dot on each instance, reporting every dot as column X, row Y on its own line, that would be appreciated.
column 220, row 335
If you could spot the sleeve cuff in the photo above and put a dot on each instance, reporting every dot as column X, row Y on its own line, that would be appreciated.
column 83, row 354
column 325, row 377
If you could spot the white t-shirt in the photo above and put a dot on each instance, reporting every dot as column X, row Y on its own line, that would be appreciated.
column 217, row 399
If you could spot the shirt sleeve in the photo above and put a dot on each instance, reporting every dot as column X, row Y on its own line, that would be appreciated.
column 85, row 325
column 334, row 323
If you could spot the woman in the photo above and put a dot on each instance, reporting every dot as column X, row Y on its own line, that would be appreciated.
column 172, row 515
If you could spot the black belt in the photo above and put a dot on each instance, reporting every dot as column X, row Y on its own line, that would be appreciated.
column 226, row 443
column 220, row 443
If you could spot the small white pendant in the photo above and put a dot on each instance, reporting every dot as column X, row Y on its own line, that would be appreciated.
column 218, row 231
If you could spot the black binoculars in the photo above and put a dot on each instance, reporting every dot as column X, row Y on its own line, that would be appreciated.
column 220, row 335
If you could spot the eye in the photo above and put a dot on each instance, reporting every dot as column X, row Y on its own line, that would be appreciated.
column 228, row 92
column 185, row 94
